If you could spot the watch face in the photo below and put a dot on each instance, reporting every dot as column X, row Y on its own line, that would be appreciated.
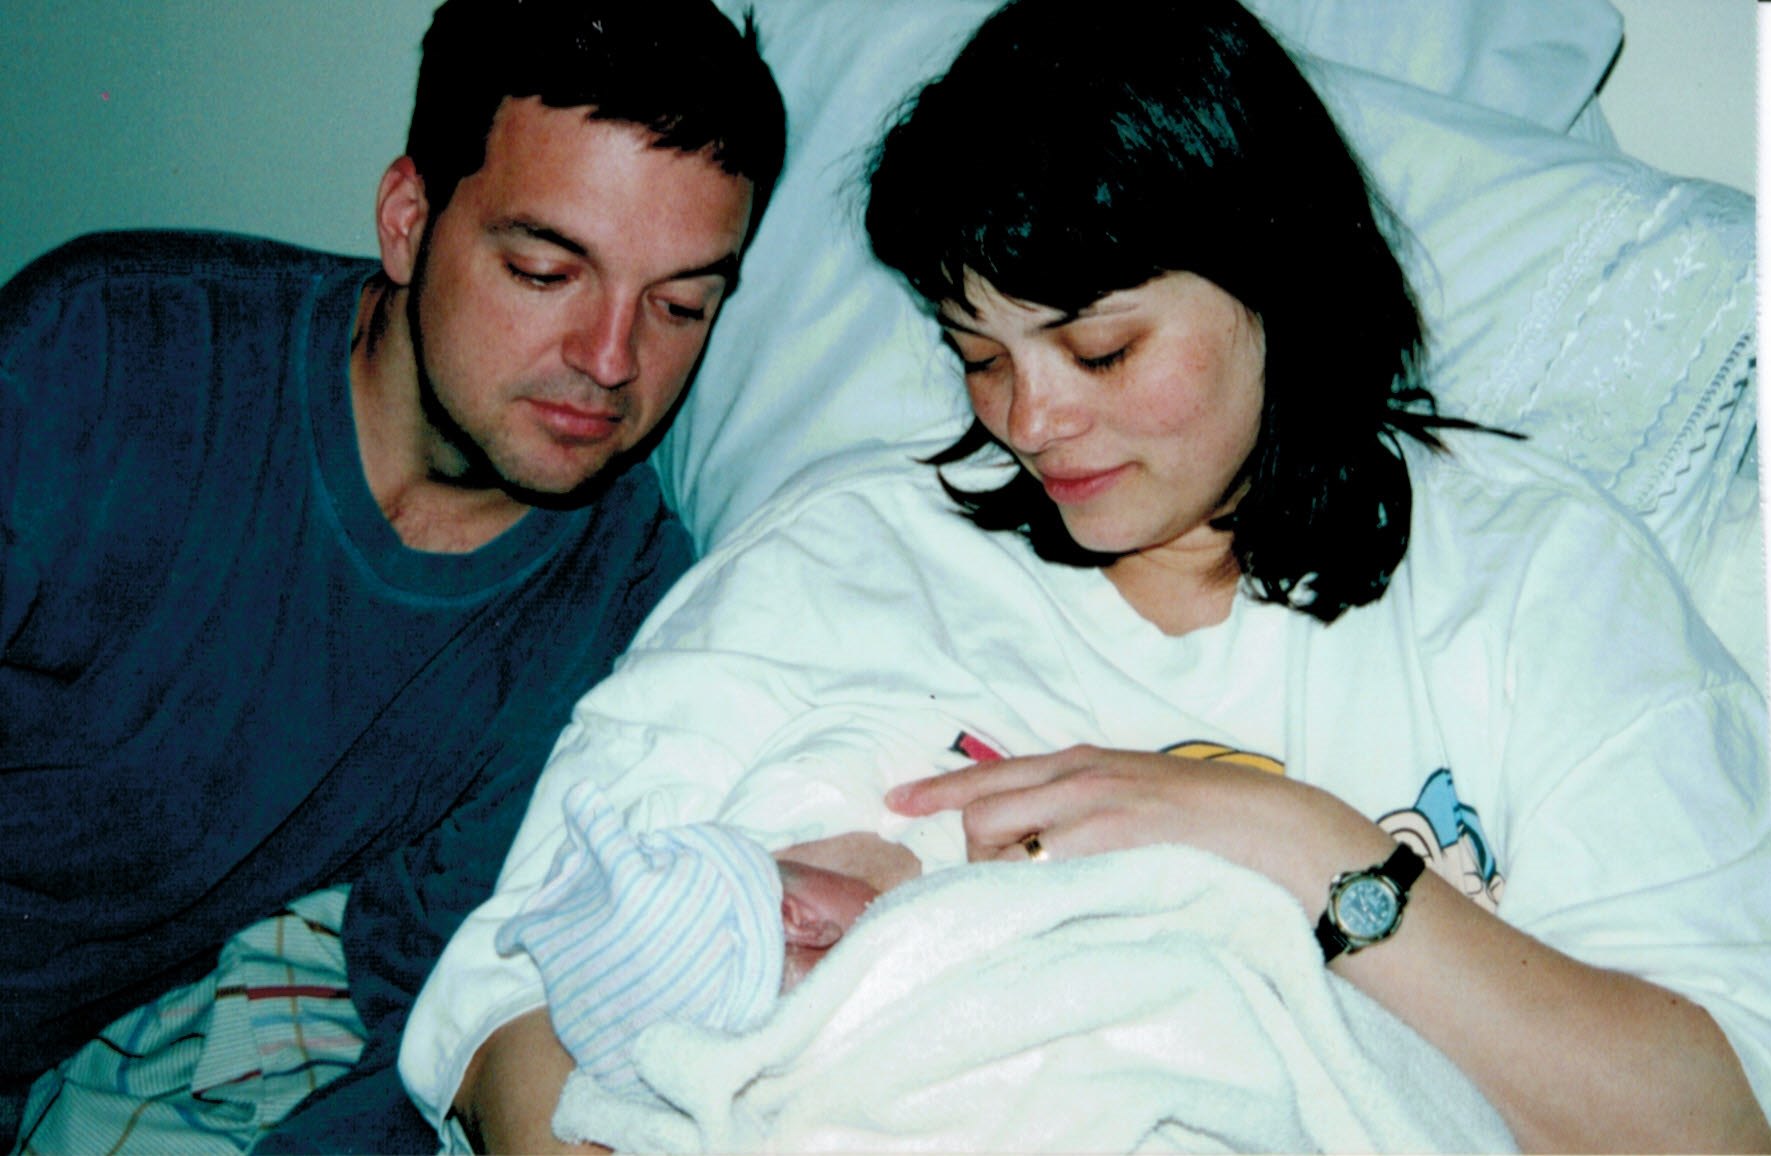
column 1367, row 908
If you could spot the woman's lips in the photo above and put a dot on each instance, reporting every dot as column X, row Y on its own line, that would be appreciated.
column 574, row 423
column 1070, row 489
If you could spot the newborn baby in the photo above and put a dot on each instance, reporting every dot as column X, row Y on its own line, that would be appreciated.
column 694, row 923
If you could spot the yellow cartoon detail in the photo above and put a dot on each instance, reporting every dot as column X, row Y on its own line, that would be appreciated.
column 1218, row 752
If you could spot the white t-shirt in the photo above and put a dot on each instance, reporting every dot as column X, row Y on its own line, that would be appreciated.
column 1533, row 705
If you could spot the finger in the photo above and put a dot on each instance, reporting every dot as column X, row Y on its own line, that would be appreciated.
column 1003, row 819
column 959, row 789
column 999, row 826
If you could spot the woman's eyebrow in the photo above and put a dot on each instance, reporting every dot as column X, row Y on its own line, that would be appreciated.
column 1096, row 308
column 1093, row 309
column 949, row 322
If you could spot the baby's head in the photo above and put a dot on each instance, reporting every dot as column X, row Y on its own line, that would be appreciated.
column 696, row 923
column 817, row 908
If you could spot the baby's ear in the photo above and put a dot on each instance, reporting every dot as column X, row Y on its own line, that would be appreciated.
column 806, row 926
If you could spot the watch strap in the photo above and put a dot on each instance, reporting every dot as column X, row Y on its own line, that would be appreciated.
column 1330, row 939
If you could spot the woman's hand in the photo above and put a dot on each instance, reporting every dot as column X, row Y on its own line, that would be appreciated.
column 1086, row 800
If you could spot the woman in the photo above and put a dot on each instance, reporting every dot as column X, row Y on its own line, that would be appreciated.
column 1178, row 313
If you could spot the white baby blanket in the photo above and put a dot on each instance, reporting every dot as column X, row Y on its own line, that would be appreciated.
column 1159, row 999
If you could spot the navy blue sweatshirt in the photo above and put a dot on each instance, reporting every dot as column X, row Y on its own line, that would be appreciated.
column 224, row 681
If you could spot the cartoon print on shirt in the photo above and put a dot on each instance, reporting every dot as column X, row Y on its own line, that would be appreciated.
column 1448, row 835
column 1218, row 752
column 975, row 748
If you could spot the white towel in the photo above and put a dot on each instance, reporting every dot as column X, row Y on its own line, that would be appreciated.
column 1159, row 999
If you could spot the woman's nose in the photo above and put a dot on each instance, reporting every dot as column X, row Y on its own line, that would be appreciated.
column 1044, row 408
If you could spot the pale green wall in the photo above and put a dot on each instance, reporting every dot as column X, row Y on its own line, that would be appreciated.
column 266, row 116
column 1680, row 95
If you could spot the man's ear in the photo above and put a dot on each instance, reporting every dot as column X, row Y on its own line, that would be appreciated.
column 806, row 927
column 401, row 213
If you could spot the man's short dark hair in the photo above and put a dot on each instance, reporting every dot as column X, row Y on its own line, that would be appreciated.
column 1078, row 149
column 678, row 68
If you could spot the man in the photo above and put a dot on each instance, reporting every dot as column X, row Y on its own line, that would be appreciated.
column 304, row 560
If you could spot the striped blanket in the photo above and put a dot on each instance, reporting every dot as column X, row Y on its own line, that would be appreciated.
column 208, row 1067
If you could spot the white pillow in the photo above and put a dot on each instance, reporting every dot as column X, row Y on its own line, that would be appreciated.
column 1573, row 294
column 821, row 348
column 1596, row 304
column 1541, row 60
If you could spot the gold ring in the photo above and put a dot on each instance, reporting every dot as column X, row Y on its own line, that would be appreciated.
column 1035, row 849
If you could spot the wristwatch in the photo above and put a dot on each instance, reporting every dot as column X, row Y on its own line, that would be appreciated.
column 1365, row 907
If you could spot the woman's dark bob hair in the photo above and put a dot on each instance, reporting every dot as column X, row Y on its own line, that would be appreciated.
column 1080, row 147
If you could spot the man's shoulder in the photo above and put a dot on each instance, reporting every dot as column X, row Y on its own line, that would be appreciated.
column 173, row 255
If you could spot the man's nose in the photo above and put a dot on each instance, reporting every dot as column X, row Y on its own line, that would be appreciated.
column 603, row 341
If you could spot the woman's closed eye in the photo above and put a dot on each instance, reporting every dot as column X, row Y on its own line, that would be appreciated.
column 971, row 360
column 1103, row 361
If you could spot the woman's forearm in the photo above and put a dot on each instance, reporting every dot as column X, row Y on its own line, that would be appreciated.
column 1574, row 1057
column 508, row 1094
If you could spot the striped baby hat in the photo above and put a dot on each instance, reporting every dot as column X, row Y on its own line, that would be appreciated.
column 628, row 929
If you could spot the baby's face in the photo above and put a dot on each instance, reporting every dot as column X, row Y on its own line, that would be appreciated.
column 817, row 908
